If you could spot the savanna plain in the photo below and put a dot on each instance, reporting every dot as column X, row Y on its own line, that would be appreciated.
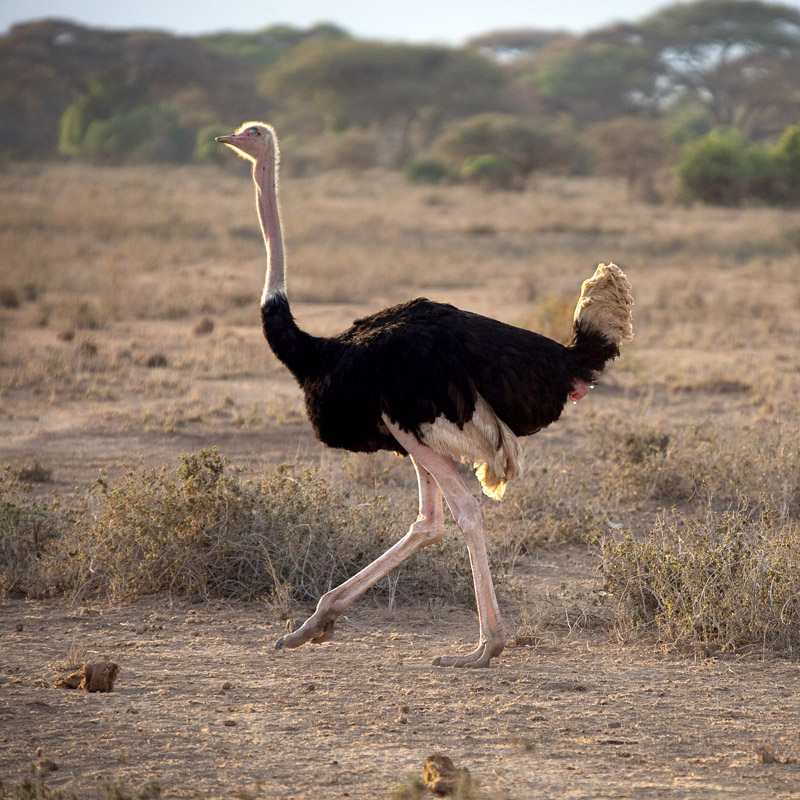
column 166, row 507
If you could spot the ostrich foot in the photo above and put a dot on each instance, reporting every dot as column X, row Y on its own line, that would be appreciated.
column 481, row 656
column 312, row 630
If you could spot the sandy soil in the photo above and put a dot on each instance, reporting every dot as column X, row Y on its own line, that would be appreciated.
column 204, row 707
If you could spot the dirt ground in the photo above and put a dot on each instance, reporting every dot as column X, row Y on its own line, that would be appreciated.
column 204, row 707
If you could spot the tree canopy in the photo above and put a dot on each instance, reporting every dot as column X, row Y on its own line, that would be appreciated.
column 627, row 95
column 363, row 82
column 738, row 58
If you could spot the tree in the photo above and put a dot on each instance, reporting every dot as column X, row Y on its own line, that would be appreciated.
column 633, row 148
column 391, row 86
column 738, row 58
column 524, row 146
column 596, row 77
column 266, row 46
column 509, row 45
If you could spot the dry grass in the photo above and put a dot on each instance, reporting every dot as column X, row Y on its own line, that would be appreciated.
column 717, row 583
column 203, row 530
column 106, row 269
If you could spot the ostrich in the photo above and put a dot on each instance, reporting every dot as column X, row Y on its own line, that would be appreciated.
column 437, row 384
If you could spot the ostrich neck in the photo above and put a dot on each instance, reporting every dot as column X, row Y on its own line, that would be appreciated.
column 295, row 348
column 266, row 180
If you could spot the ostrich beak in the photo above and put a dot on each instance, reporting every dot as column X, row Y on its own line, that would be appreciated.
column 227, row 139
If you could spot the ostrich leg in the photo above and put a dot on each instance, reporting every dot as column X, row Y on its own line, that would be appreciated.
column 469, row 518
column 427, row 529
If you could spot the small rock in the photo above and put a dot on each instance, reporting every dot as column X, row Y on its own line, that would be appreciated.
column 93, row 677
column 441, row 776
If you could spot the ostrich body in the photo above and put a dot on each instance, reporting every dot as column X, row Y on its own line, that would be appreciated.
column 437, row 384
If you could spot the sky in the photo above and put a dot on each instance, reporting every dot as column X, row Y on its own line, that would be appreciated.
column 449, row 22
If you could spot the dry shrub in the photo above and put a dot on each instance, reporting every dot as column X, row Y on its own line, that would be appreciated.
column 28, row 526
column 207, row 532
column 695, row 464
column 551, row 317
column 728, row 581
column 546, row 507
column 9, row 297
column 37, row 471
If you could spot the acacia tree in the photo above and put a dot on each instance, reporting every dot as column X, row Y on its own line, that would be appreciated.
column 739, row 58
column 600, row 76
column 389, row 86
column 510, row 45
column 633, row 148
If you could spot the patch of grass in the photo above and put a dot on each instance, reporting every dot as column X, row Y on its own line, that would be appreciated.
column 725, row 582
column 35, row 787
column 768, row 754
column 691, row 465
column 9, row 297
column 35, row 472
column 411, row 789
column 466, row 788
column 76, row 657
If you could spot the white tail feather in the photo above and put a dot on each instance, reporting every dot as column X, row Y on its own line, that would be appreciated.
column 605, row 304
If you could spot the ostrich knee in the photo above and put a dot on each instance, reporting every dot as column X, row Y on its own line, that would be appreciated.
column 424, row 532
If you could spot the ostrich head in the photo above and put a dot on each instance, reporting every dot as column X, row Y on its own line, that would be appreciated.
column 255, row 141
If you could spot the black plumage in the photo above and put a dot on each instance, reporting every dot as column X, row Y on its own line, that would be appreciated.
column 420, row 360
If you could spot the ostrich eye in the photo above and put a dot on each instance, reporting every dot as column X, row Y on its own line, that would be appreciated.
column 254, row 132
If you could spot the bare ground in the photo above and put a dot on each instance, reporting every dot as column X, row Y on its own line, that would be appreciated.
column 204, row 707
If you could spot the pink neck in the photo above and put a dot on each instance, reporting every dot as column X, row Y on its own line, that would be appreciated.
column 266, row 180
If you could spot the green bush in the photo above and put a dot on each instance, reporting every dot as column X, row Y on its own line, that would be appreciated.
column 716, row 168
column 207, row 149
column 427, row 170
column 145, row 133
column 150, row 132
column 490, row 170
column 526, row 147
column 786, row 159
column 722, row 168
